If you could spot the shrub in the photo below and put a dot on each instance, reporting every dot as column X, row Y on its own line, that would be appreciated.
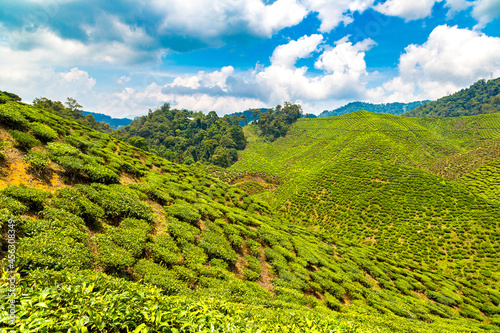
column 37, row 160
column 182, row 231
column 24, row 140
column 12, row 117
column 164, row 250
column 43, row 132
column 117, row 201
column 217, row 246
column 73, row 201
column 53, row 250
column 183, row 212
column 156, row 275
column 193, row 255
column 332, row 302
column 100, row 174
column 12, row 205
column 110, row 255
column 32, row 197
column 250, row 275
column 62, row 149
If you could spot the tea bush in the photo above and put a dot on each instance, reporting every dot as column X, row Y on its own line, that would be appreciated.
column 24, row 140
column 33, row 198
column 43, row 132
column 37, row 160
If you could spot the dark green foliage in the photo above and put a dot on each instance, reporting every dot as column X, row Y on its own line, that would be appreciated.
column 480, row 98
column 186, row 136
column 24, row 140
column 12, row 117
column 275, row 123
column 392, row 108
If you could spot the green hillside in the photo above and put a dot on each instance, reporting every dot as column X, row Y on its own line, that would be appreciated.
column 111, row 238
column 482, row 97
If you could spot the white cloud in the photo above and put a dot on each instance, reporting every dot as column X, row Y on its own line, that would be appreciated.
column 213, row 19
column 449, row 60
column 123, row 79
column 343, row 69
column 409, row 10
column 287, row 55
column 485, row 11
column 332, row 13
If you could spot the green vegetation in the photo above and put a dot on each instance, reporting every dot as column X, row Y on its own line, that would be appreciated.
column 187, row 137
column 392, row 108
column 125, row 240
column 482, row 97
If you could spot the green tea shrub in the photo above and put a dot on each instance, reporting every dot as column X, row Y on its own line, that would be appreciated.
column 332, row 302
column 216, row 246
column 73, row 166
column 250, row 275
column 75, row 202
column 182, row 231
column 24, row 140
column 157, row 275
column 12, row 205
column 154, row 192
column 194, row 256
column 164, row 250
column 43, row 132
column 53, row 250
column 101, row 174
column 12, row 117
column 469, row 311
column 110, row 256
column 34, row 198
column 78, row 142
column 129, row 236
column 254, row 246
column 62, row 149
column 183, row 212
column 117, row 201
column 37, row 160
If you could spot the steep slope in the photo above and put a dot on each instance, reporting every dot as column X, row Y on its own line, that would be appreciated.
column 391, row 108
column 482, row 97
column 127, row 241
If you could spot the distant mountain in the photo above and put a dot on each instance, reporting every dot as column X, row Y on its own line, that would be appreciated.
column 481, row 98
column 392, row 108
column 115, row 123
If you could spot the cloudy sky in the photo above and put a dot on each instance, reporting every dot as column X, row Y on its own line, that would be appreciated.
column 123, row 57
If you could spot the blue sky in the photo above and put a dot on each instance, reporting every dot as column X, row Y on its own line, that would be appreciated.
column 123, row 57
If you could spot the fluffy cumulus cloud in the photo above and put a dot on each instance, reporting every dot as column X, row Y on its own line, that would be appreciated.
column 409, row 10
column 449, row 60
column 332, row 13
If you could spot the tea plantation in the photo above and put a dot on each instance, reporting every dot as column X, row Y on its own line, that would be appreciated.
column 110, row 238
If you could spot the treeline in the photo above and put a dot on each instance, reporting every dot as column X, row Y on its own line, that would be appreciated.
column 275, row 123
column 71, row 110
column 392, row 108
column 481, row 98
column 187, row 137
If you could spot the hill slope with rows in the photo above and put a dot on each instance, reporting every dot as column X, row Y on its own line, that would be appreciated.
column 112, row 238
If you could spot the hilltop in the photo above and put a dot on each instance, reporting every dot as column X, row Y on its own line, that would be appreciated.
column 172, row 248
column 483, row 97
column 114, row 123
column 392, row 108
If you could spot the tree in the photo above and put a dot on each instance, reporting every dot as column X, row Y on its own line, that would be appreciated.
column 243, row 117
column 255, row 114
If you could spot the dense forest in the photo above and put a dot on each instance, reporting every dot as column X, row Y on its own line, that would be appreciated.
column 392, row 108
column 275, row 123
column 482, row 97
column 187, row 137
